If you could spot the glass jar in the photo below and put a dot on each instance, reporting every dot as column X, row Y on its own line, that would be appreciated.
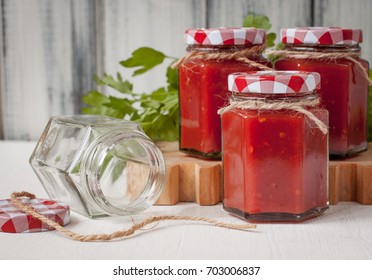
column 212, row 55
column 275, row 147
column 344, row 80
column 99, row 165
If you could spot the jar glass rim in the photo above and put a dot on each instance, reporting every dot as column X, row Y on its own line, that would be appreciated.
column 111, row 168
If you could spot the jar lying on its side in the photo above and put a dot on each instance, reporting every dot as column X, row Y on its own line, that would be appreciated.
column 99, row 165
column 275, row 147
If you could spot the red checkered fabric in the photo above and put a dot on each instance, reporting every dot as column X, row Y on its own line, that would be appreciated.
column 15, row 221
column 224, row 36
column 321, row 36
column 274, row 82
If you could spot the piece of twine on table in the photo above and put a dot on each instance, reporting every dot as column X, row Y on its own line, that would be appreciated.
column 296, row 106
column 28, row 209
column 243, row 56
column 324, row 56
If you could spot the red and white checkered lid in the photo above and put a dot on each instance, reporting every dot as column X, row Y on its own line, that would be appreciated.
column 14, row 221
column 321, row 36
column 224, row 36
column 274, row 82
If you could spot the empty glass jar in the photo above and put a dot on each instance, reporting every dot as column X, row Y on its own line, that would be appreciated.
column 99, row 165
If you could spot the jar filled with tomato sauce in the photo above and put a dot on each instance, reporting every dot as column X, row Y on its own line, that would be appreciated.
column 275, row 146
column 212, row 55
column 335, row 54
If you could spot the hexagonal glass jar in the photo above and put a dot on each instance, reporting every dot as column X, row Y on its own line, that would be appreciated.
column 275, row 147
column 99, row 165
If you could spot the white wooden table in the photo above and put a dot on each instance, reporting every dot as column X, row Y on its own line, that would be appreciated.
column 343, row 232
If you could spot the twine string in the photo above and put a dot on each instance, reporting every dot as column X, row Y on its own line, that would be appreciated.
column 324, row 56
column 27, row 208
column 239, row 55
column 297, row 106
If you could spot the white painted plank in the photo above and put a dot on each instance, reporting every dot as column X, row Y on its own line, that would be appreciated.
column 128, row 25
column 84, row 51
column 283, row 13
column 23, row 94
column 348, row 14
column 40, row 59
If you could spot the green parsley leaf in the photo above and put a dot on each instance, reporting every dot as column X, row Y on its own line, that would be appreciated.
column 122, row 105
column 120, row 85
column 270, row 39
column 257, row 21
column 144, row 59
column 97, row 102
column 172, row 78
column 95, row 98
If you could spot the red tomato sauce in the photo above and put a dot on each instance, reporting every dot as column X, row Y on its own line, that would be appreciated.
column 275, row 164
column 203, row 90
column 344, row 94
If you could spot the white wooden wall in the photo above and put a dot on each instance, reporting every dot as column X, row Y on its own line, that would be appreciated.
column 50, row 49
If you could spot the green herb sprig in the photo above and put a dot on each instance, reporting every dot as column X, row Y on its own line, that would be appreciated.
column 156, row 112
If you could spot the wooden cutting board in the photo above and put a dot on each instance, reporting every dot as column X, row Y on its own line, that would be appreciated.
column 197, row 180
